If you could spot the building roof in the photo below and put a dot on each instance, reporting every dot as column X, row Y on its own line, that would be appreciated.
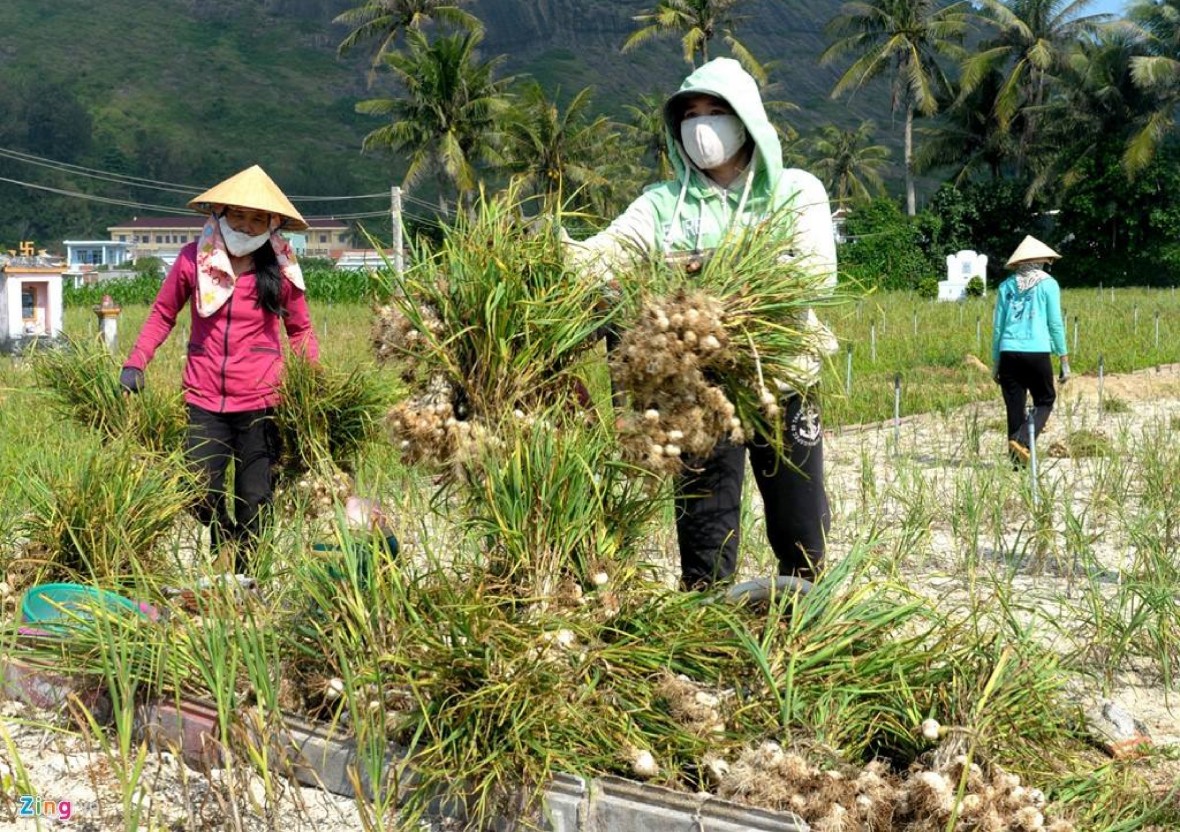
column 94, row 243
column 360, row 258
column 198, row 220
column 32, row 265
column 366, row 253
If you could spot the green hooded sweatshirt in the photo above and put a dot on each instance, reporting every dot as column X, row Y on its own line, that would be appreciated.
column 693, row 213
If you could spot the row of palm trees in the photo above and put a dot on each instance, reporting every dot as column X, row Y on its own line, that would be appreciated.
column 1044, row 89
column 457, row 120
column 1031, row 90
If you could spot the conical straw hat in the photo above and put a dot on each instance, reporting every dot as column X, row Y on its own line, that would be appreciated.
column 251, row 188
column 1032, row 250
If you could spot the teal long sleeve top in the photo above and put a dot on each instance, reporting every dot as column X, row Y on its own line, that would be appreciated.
column 1028, row 321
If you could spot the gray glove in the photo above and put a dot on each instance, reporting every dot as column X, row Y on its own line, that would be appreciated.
column 131, row 379
column 1064, row 376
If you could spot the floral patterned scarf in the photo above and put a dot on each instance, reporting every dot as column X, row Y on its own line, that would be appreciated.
column 215, row 273
column 1029, row 275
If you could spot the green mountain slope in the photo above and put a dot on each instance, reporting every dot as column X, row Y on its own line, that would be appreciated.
column 578, row 43
column 188, row 91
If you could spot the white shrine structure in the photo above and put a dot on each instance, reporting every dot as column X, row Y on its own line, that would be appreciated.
column 960, row 268
column 30, row 298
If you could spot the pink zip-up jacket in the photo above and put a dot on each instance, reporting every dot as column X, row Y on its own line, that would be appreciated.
column 235, row 356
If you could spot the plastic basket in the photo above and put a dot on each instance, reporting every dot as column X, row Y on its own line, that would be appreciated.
column 49, row 606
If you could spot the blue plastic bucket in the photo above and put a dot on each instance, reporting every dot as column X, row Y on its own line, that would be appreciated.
column 50, row 606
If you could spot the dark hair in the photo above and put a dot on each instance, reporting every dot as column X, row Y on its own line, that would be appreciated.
column 678, row 105
column 268, row 280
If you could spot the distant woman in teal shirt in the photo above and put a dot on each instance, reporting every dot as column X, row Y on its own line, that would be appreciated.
column 1028, row 328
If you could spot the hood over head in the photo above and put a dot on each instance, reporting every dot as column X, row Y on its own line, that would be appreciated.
column 724, row 78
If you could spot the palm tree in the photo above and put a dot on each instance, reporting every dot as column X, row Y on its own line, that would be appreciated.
column 1156, row 72
column 384, row 20
column 903, row 38
column 446, row 119
column 697, row 22
column 1035, row 36
column 644, row 130
column 777, row 110
column 1097, row 103
column 848, row 162
column 547, row 150
column 967, row 137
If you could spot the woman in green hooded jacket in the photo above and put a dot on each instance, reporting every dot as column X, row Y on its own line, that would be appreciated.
column 729, row 173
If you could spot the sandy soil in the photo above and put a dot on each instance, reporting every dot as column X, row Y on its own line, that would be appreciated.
column 62, row 766
column 935, row 446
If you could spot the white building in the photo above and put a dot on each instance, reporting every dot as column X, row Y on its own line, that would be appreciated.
column 367, row 258
column 30, row 300
column 164, row 237
column 961, row 268
column 82, row 253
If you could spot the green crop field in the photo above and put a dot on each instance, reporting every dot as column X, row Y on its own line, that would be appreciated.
column 926, row 342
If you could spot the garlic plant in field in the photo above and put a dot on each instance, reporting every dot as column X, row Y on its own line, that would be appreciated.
column 696, row 709
column 491, row 330
column 326, row 418
column 83, row 380
column 707, row 356
column 396, row 335
column 556, row 514
column 427, row 427
column 102, row 515
column 325, row 421
column 487, row 324
column 316, row 493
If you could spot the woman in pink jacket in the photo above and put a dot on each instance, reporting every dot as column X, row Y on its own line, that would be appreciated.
column 240, row 280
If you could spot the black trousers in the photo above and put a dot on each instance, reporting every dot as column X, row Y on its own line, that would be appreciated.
column 1022, row 374
column 708, row 502
column 251, row 439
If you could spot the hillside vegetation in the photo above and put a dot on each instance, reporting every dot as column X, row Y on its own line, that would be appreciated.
column 576, row 42
column 188, row 91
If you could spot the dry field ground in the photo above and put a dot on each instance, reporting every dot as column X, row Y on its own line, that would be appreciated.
column 928, row 454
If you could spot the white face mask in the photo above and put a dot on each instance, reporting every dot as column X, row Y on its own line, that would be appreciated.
column 238, row 243
column 710, row 141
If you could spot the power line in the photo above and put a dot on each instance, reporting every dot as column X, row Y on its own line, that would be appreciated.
column 382, row 195
column 96, row 198
column 185, row 211
column 73, row 170
column 418, row 201
column 154, row 184
column 187, row 190
column 140, row 181
column 357, row 216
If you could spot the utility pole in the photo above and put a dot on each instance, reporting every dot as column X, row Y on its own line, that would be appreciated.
column 395, row 210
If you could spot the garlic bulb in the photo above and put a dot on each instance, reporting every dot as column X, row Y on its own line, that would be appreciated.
column 931, row 730
column 643, row 764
